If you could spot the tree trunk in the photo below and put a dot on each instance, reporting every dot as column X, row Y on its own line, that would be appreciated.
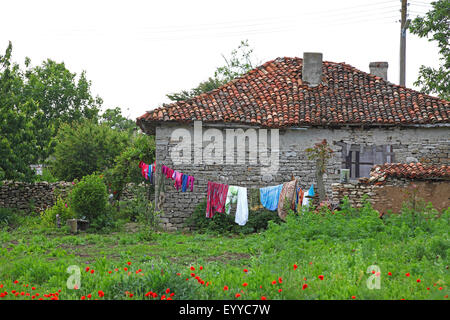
column 320, row 185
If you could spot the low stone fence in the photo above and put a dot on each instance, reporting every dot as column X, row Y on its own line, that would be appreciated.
column 392, row 193
column 29, row 197
column 37, row 196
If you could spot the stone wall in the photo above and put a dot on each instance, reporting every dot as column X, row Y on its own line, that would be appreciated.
column 391, row 194
column 38, row 196
column 428, row 145
column 31, row 196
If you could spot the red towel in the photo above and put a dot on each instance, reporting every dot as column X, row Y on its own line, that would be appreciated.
column 217, row 195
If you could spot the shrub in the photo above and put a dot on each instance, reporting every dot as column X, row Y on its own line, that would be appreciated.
column 8, row 217
column 258, row 220
column 84, row 148
column 61, row 208
column 89, row 200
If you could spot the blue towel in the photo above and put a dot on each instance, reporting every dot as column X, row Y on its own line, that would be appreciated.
column 269, row 196
column 184, row 179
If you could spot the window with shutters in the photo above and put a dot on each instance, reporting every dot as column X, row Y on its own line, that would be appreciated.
column 361, row 158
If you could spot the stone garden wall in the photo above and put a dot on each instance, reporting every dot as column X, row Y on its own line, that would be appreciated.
column 391, row 194
column 31, row 196
column 36, row 196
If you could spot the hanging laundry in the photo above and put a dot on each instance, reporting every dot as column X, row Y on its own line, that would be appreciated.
column 150, row 173
column 286, row 197
column 177, row 177
column 231, row 198
column 190, row 182
column 299, row 199
column 306, row 200
column 184, row 179
column 216, row 197
column 239, row 195
column 142, row 166
column 270, row 196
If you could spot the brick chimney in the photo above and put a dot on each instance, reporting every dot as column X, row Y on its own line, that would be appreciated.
column 379, row 69
column 312, row 68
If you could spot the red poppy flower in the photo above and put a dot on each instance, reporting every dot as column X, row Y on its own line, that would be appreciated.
column 280, row 280
column 192, row 274
column 279, row 290
column 16, row 282
column 87, row 269
column 407, row 274
column 245, row 284
column 126, row 269
column 225, row 288
column 238, row 295
column 321, row 277
column 201, row 268
column 353, row 297
column 109, row 272
column 89, row 295
column 245, row 270
column 304, row 286
column 192, row 268
column 155, row 294
column 274, row 282
column 163, row 297
column 172, row 294
column 129, row 263
column 295, row 267
column 33, row 288
column 167, row 290
column 131, row 295
column 92, row 271
column 418, row 280
column 101, row 294
column 440, row 288
column 178, row 274
column 389, row 273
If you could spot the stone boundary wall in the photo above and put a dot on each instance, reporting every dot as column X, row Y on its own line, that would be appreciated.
column 36, row 196
column 392, row 193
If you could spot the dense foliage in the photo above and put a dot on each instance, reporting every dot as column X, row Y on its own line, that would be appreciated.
column 435, row 26
column 89, row 200
column 84, row 148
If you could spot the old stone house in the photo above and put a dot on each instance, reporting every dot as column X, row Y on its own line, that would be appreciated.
column 366, row 119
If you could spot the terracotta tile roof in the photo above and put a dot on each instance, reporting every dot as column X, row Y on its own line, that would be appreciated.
column 415, row 171
column 273, row 95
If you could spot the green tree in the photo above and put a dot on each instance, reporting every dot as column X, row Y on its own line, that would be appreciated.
column 126, row 168
column 18, row 115
column 83, row 148
column 61, row 97
column 240, row 61
column 115, row 120
column 435, row 26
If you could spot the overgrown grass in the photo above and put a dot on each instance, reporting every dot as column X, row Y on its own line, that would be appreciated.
column 313, row 255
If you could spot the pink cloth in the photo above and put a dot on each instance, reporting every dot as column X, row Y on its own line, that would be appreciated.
column 177, row 176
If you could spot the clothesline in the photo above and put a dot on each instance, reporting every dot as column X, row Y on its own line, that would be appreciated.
column 220, row 196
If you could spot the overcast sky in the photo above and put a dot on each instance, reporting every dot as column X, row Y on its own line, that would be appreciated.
column 135, row 52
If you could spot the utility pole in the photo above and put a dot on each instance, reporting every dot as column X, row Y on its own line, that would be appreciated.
column 403, row 27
